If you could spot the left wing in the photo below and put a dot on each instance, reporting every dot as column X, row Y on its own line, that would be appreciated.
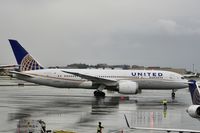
column 160, row 129
column 96, row 79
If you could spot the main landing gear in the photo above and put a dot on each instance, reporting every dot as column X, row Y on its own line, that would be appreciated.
column 99, row 92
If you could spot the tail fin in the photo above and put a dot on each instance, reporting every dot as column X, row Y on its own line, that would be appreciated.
column 195, row 92
column 25, row 61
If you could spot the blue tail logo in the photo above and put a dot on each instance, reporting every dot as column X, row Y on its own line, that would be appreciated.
column 25, row 61
column 194, row 91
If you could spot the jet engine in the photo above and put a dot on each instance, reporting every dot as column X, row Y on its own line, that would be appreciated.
column 194, row 111
column 128, row 87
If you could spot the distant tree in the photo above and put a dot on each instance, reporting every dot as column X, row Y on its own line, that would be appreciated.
column 78, row 66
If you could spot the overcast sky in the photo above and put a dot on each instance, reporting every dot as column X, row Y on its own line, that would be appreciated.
column 136, row 32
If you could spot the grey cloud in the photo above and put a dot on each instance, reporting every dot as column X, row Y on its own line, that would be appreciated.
column 60, row 32
column 172, row 27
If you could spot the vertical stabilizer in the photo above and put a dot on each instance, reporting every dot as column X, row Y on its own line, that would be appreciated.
column 25, row 61
column 194, row 91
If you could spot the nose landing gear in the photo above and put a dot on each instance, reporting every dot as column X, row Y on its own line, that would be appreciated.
column 173, row 94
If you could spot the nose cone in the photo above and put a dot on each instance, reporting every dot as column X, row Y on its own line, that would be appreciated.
column 185, row 82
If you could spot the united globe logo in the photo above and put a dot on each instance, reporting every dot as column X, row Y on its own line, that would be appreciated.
column 28, row 63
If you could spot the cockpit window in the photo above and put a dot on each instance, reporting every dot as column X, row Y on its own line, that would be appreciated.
column 182, row 78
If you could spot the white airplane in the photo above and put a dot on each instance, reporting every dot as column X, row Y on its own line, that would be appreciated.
column 194, row 110
column 160, row 129
column 122, row 81
column 189, row 76
column 9, row 66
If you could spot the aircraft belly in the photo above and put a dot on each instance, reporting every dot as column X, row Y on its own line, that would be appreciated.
column 159, row 85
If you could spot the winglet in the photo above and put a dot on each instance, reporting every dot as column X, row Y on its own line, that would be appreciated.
column 24, row 59
column 195, row 92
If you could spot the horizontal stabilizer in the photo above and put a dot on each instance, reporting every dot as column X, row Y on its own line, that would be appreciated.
column 21, row 74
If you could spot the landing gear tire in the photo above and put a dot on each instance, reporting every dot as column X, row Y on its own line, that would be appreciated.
column 99, row 94
column 173, row 95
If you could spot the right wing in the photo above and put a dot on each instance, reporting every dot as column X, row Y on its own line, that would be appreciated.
column 160, row 129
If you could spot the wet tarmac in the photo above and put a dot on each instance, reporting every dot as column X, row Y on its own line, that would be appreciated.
column 78, row 111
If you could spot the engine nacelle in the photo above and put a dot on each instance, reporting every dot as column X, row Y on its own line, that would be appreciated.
column 194, row 111
column 128, row 87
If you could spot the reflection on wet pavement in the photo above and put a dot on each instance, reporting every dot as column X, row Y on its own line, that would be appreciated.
column 77, row 110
